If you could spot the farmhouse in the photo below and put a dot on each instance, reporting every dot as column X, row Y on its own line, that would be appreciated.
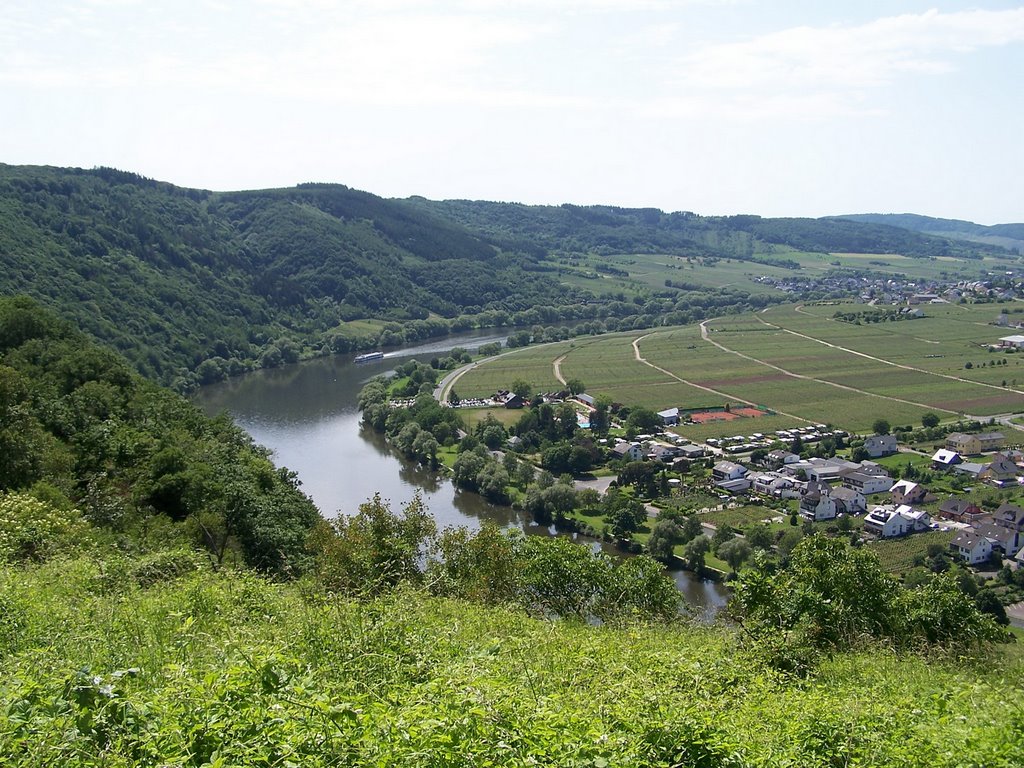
column 971, row 547
column 880, row 445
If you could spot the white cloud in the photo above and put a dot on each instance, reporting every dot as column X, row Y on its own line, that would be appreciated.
column 810, row 62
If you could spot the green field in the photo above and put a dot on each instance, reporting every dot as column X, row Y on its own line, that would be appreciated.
column 795, row 360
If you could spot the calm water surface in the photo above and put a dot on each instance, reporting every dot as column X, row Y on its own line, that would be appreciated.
column 306, row 414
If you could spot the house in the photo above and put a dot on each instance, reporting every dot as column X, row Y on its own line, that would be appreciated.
column 692, row 451
column 945, row 459
column 972, row 445
column 631, row 451
column 880, row 445
column 1000, row 470
column 736, row 485
column 960, row 510
column 907, row 492
column 971, row 547
column 1006, row 540
column 1010, row 516
column 887, row 522
column 775, row 484
column 817, row 504
column 663, row 453
column 920, row 518
column 669, row 417
column 867, row 483
column 727, row 470
column 1012, row 341
column 848, row 501
column 969, row 468
column 779, row 458
column 962, row 443
column 991, row 441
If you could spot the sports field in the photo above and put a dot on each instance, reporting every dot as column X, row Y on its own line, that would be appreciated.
column 795, row 360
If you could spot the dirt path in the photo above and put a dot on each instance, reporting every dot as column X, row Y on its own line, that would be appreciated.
column 705, row 334
column 556, row 365
column 882, row 360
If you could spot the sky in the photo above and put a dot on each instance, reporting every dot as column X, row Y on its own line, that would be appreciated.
column 776, row 108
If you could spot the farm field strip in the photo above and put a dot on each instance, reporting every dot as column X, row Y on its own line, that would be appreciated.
column 795, row 375
column 959, row 379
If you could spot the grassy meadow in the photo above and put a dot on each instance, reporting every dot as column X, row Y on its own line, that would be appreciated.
column 224, row 669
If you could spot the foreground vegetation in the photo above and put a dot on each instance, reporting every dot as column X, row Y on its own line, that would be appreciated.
column 229, row 669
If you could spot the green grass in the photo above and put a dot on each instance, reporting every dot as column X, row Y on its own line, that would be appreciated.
column 231, row 668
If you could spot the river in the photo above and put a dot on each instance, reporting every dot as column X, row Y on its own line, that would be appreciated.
column 306, row 414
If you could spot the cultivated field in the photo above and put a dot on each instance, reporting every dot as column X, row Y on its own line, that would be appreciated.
column 795, row 360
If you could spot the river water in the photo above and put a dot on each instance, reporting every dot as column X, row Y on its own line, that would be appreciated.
column 306, row 414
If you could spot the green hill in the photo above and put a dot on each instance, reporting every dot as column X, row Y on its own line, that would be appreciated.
column 193, row 286
column 1009, row 236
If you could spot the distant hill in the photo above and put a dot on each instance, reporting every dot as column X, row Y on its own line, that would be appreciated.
column 1009, row 236
column 192, row 286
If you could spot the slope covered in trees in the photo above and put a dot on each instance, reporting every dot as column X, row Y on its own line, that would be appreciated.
column 192, row 286
column 1005, row 235
column 138, row 467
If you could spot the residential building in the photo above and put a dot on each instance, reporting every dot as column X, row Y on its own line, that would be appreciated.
column 780, row 458
column 960, row 510
column 817, row 504
column 1000, row 470
column 728, row 470
column 887, row 522
column 848, row 501
column 945, row 459
column 1010, row 516
column 867, row 483
column 880, row 445
column 971, row 547
column 631, row 451
column 907, row 492
column 1005, row 540
column 972, row 445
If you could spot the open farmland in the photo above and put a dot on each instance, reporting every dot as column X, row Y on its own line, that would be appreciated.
column 796, row 361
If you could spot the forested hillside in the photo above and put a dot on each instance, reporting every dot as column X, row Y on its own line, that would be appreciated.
column 193, row 286
column 1005, row 235
column 112, row 461
column 609, row 229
